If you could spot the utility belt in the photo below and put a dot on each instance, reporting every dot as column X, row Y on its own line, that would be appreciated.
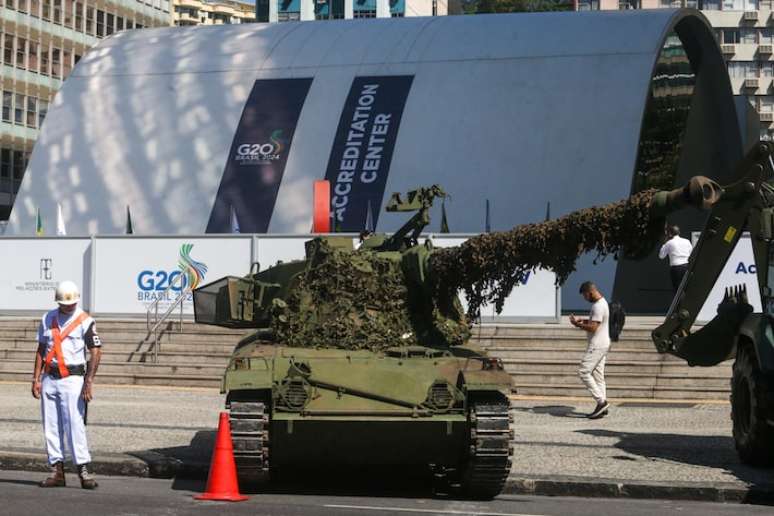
column 77, row 370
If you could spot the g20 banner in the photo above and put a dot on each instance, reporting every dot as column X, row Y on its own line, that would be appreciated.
column 256, row 161
column 362, row 150
column 132, row 273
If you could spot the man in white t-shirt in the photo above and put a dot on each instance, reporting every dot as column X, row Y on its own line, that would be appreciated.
column 679, row 250
column 592, row 367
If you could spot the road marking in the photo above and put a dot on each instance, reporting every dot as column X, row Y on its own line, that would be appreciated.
column 432, row 511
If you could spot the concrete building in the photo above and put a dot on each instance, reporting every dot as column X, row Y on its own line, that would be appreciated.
column 42, row 40
column 294, row 10
column 745, row 31
column 201, row 12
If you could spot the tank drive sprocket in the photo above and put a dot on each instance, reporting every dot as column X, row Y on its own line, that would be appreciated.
column 249, row 422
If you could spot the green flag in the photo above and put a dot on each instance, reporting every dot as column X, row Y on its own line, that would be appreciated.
column 38, row 224
column 444, row 222
column 129, row 228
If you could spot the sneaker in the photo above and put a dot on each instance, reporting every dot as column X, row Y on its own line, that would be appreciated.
column 87, row 479
column 600, row 411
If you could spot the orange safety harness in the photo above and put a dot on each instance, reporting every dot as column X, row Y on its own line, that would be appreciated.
column 56, row 350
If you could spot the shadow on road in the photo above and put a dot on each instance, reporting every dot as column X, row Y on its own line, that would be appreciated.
column 553, row 410
column 19, row 482
column 700, row 450
column 189, row 465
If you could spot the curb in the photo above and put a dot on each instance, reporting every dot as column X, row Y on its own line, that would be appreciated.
column 149, row 464
column 611, row 488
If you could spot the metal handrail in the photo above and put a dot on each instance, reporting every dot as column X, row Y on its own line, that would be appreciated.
column 157, row 322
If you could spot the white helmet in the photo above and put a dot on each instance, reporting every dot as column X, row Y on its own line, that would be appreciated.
column 67, row 293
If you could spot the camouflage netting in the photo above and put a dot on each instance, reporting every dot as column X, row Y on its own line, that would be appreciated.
column 488, row 266
column 361, row 300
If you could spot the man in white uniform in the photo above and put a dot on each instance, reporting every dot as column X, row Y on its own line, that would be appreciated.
column 63, row 381
column 679, row 250
column 592, row 368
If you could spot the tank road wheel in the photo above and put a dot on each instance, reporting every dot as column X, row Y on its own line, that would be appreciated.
column 750, row 410
column 487, row 467
column 249, row 422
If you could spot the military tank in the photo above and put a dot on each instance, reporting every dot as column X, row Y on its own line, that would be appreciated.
column 357, row 361
column 364, row 357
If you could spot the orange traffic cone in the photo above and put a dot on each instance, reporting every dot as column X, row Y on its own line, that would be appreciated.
column 222, row 482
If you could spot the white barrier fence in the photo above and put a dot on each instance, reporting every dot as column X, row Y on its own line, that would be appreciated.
column 124, row 275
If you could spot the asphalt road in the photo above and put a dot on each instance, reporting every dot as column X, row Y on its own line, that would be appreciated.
column 19, row 495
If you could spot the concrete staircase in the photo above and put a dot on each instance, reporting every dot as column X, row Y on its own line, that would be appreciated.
column 543, row 359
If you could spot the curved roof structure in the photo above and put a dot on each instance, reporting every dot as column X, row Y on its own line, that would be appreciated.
column 520, row 110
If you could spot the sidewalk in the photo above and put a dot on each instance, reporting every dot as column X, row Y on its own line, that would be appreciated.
column 680, row 450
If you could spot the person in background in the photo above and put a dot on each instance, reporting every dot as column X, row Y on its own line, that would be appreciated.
column 62, row 381
column 678, row 250
column 592, row 367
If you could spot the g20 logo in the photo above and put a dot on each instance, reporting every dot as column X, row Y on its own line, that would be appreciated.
column 262, row 152
column 149, row 281
column 255, row 150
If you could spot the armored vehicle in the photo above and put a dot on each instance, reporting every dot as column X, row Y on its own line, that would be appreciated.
column 356, row 361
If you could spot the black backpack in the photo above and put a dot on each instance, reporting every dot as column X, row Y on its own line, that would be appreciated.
column 616, row 320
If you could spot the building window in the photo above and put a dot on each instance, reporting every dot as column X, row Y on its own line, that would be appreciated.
column 42, row 111
column 32, row 57
column 364, row 13
column 5, row 163
column 119, row 23
column 69, row 10
column 7, row 106
column 10, row 4
column 58, row 12
column 44, row 59
column 110, row 24
column 56, row 61
column 46, row 15
column 290, row 16
column 21, row 6
column 35, row 8
column 67, row 58
column 31, row 107
column 90, row 20
column 731, row 36
column 21, row 46
column 711, row 5
column 100, row 23
column 78, row 15
column 8, row 50
column 588, row 5
column 748, row 36
column 18, row 166
column 18, row 109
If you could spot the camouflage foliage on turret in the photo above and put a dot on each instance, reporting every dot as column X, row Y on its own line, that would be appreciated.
column 487, row 267
column 362, row 300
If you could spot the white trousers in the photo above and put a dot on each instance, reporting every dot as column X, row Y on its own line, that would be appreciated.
column 62, row 408
column 592, row 372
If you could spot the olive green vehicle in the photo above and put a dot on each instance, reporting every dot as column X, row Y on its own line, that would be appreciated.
column 356, row 363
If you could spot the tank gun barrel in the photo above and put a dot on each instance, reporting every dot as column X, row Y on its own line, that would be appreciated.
column 699, row 192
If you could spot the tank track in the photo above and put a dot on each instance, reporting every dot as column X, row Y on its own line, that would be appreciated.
column 249, row 422
column 489, row 463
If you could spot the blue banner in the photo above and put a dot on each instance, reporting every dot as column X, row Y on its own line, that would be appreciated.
column 256, row 161
column 362, row 150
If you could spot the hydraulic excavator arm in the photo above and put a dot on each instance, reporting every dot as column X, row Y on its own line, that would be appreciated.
column 745, row 205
